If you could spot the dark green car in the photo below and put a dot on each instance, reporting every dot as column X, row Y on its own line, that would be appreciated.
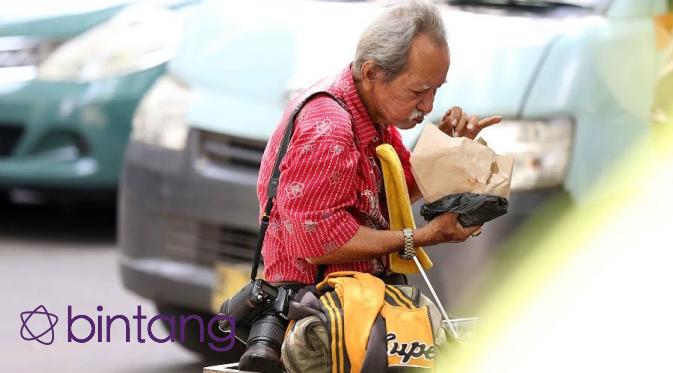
column 71, row 77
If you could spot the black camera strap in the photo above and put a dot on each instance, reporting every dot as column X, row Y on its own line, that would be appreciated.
column 272, row 189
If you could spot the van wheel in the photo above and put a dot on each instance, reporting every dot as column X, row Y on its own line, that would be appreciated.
column 192, row 334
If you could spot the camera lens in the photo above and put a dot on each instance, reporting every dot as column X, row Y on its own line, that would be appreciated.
column 263, row 351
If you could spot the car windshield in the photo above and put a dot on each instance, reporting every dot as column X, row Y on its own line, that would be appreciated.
column 588, row 4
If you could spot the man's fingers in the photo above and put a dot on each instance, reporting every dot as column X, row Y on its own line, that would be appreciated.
column 472, row 123
column 465, row 232
column 462, row 122
column 490, row 121
column 457, row 123
column 473, row 229
column 446, row 117
column 454, row 116
column 470, row 230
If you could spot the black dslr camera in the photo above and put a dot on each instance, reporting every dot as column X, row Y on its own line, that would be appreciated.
column 260, row 310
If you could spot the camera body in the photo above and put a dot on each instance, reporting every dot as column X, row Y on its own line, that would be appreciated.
column 260, row 312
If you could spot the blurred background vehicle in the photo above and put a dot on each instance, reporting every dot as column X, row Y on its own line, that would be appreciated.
column 71, row 75
column 573, row 81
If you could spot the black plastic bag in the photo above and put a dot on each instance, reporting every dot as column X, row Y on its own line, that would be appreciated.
column 473, row 209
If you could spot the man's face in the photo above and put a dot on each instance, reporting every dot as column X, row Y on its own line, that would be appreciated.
column 404, row 101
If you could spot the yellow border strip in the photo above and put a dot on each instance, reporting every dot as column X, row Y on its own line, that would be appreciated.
column 333, row 333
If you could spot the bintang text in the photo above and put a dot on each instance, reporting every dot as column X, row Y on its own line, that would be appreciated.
column 99, row 328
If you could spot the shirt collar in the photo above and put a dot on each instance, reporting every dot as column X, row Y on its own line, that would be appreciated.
column 365, row 129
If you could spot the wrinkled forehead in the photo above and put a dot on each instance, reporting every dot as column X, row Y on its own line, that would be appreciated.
column 427, row 67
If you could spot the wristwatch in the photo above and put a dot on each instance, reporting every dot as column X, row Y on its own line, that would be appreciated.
column 408, row 251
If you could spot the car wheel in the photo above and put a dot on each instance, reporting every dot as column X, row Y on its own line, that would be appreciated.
column 191, row 339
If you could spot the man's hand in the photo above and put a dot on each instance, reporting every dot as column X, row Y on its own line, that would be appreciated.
column 443, row 228
column 457, row 123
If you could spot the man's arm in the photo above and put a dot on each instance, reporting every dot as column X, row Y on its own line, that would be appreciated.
column 368, row 243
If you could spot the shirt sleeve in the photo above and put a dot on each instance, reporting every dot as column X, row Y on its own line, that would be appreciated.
column 405, row 156
column 316, row 188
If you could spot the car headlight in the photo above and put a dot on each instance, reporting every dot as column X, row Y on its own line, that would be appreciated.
column 138, row 38
column 541, row 150
column 160, row 119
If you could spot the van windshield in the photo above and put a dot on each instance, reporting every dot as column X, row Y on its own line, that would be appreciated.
column 587, row 4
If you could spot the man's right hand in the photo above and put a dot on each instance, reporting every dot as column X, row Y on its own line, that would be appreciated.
column 443, row 228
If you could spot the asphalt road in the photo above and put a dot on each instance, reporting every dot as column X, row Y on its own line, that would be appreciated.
column 58, row 258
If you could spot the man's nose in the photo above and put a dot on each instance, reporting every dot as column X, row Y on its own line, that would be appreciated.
column 425, row 105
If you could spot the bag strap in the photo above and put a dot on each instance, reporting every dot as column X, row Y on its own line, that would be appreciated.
column 272, row 189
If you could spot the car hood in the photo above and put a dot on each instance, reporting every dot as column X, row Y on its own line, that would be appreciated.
column 243, row 69
column 63, row 19
column 56, row 19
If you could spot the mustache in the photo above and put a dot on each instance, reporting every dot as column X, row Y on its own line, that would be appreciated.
column 416, row 114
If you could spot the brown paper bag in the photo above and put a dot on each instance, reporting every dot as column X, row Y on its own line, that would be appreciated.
column 443, row 165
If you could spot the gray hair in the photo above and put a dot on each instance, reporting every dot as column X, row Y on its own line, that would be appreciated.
column 387, row 40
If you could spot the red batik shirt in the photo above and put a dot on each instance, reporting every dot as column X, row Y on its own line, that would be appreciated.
column 330, row 183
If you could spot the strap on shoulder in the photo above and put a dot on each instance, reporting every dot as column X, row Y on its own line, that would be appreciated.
column 272, row 189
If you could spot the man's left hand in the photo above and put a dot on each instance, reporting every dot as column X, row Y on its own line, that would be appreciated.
column 457, row 123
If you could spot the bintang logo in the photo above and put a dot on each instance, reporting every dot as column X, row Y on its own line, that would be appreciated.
column 99, row 328
column 46, row 337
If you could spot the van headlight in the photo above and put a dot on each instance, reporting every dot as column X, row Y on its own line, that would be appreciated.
column 160, row 119
column 541, row 150
column 138, row 38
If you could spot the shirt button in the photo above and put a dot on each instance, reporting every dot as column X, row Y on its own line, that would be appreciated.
column 376, row 139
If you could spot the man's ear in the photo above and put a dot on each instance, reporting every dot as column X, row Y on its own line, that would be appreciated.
column 370, row 73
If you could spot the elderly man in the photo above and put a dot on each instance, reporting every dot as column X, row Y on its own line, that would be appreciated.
column 330, row 205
